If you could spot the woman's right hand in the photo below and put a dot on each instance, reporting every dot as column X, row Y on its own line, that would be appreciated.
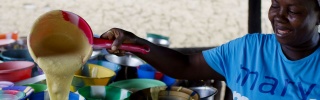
column 119, row 36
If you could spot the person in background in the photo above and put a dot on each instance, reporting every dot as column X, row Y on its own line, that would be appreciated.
column 283, row 66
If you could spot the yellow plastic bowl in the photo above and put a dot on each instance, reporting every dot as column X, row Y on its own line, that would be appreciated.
column 93, row 75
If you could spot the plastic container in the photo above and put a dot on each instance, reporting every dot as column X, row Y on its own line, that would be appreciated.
column 8, row 97
column 18, row 94
column 168, row 80
column 104, row 93
column 11, row 35
column 114, row 67
column 20, row 55
column 137, row 84
column 146, row 71
column 38, row 87
column 44, row 95
column 15, row 71
column 165, row 93
column 25, row 89
column 5, row 84
column 16, row 55
column 6, row 42
column 91, row 75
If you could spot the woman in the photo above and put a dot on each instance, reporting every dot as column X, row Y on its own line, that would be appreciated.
column 283, row 65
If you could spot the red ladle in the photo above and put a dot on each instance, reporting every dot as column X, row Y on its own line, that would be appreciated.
column 98, row 43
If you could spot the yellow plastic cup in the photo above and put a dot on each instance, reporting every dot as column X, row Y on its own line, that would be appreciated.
column 92, row 75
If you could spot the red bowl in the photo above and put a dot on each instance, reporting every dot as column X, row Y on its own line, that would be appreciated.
column 15, row 71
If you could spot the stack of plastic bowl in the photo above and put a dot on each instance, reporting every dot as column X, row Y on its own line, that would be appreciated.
column 38, row 87
column 44, row 95
column 146, row 71
column 165, row 93
column 16, row 55
column 20, row 55
column 15, row 71
column 114, row 67
column 10, row 95
column 91, row 74
column 41, row 93
column 6, row 84
column 134, row 85
column 6, row 43
column 21, row 92
column 14, row 93
column 104, row 93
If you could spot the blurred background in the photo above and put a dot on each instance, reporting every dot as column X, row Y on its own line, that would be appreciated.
column 187, row 23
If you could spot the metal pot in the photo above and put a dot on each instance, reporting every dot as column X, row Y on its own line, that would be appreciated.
column 158, row 39
column 127, row 60
column 205, row 92
column 129, row 64
column 161, row 42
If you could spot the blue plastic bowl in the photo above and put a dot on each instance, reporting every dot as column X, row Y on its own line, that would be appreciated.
column 146, row 71
column 44, row 95
column 114, row 67
column 16, row 55
column 168, row 80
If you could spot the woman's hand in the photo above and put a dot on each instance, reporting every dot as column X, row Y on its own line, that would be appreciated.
column 119, row 36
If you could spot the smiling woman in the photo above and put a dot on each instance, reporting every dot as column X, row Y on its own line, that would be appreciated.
column 296, row 26
column 284, row 65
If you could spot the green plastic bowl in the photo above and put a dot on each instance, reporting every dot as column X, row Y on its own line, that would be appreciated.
column 137, row 84
column 104, row 93
column 38, row 87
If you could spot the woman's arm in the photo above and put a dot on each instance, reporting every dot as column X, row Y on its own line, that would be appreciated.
column 166, row 60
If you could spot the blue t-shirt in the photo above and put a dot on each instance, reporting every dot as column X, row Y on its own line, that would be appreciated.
column 255, row 68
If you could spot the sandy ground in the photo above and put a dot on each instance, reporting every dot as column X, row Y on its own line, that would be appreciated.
column 188, row 23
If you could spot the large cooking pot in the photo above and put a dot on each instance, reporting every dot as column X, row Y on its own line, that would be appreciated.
column 129, row 64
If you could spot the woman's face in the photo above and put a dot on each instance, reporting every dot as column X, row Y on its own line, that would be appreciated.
column 294, row 21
